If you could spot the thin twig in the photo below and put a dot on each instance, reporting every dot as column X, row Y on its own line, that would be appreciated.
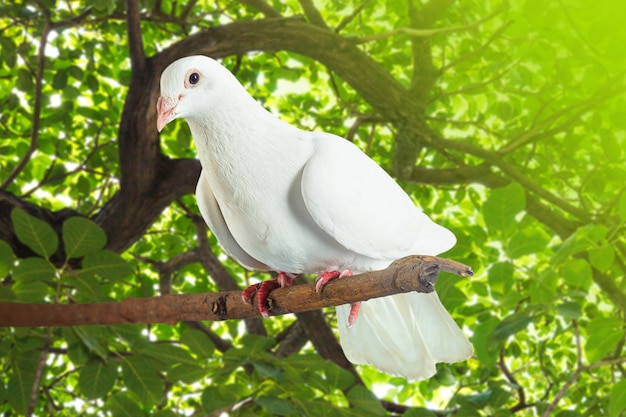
column 521, row 401
column 38, row 373
column 573, row 377
column 346, row 20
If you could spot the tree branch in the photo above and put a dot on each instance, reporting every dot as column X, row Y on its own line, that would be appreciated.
column 413, row 273
column 135, row 41
column 312, row 13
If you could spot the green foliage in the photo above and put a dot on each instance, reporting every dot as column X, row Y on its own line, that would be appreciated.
column 502, row 206
column 97, row 378
column 34, row 233
column 81, row 237
column 532, row 91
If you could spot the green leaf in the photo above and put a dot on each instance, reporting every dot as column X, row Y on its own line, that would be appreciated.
column 617, row 399
column 569, row 310
column 502, row 206
column 33, row 269
column 24, row 81
column 604, row 335
column 527, row 241
column 198, row 342
column 21, row 380
column 365, row 402
column 6, row 294
column 337, row 377
column 88, row 290
column 34, row 233
column 90, row 336
column 569, row 413
column 577, row 272
column 419, row 412
column 214, row 398
column 510, row 325
column 105, row 264
column 59, row 81
column 141, row 378
column 584, row 238
column 269, row 370
column 165, row 353
column 276, row 406
column 6, row 258
column 486, row 350
column 622, row 207
column 30, row 292
column 495, row 397
column 543, row 287
column 97, row 378
column 82, row 236
column 165, row 413
column 91, row 81
column 8, row 50
column 186, row 373
column 602, row 257
column 500, row 277
column 121, row 405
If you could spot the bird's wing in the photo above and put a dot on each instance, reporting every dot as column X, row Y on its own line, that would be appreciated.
column 356, row 202
column 210, row 210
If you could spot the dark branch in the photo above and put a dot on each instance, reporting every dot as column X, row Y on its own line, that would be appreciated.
column 135, row 41
column 312, row 14
column 413, row 273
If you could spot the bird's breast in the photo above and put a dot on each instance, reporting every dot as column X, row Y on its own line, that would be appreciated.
column 257, row 184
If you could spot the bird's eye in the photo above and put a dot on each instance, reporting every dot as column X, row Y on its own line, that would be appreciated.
column 194, row 77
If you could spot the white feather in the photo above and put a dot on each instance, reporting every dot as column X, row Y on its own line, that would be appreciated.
column 280, row 198
column 405, row 334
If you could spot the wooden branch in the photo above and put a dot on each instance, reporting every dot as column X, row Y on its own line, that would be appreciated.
column 413, row 273
column 313, row 15
column 135, row 40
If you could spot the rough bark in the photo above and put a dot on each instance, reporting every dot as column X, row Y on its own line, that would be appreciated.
column 413, row 273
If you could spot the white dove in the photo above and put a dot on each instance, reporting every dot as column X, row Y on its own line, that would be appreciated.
column 283, row 199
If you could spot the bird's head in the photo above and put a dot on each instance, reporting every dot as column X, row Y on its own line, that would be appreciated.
column 186, row 85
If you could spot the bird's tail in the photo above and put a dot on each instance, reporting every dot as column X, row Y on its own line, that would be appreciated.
column 404, row 334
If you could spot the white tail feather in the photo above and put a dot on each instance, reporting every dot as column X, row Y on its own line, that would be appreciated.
column 405, row 334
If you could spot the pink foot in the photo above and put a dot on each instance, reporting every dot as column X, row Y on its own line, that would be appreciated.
column 354, row 313
column 331, row 275
column 262, row 290
column 328, row 276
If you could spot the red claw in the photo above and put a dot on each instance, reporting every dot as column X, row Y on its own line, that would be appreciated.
column 262, row 290
column 328, row 276
column 354, row 313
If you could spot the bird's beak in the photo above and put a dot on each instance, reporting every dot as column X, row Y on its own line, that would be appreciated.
column 166, row 109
